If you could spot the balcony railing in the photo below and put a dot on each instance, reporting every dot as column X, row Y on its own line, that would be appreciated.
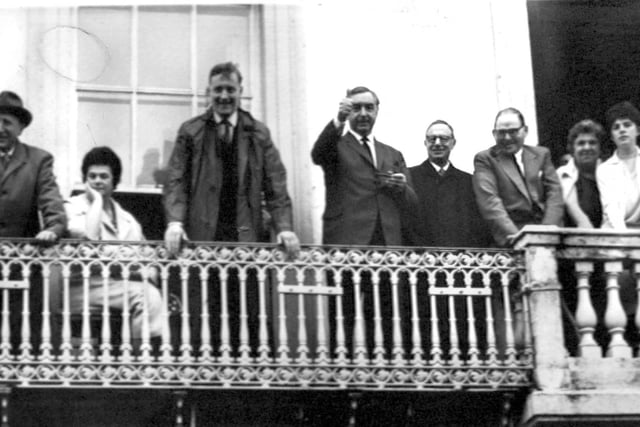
column 246, row 317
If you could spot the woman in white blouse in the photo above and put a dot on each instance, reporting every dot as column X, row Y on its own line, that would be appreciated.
column 619, row 177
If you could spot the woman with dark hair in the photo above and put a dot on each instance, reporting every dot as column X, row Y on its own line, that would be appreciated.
column 94, row 215
column 619, row 177
column 619, row 184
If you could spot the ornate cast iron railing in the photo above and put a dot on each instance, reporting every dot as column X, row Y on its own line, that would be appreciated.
column 377, row 318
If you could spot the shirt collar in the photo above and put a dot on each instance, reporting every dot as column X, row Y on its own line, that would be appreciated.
column 569, row 170
column 233, row 118
column 359, row 137
column 518, row 154
column 619, row 159
column 438, row 167
column 8, row 154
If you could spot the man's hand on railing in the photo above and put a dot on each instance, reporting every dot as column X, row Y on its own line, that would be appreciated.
column 46, row 236
column 290, row 242
column 174, row 236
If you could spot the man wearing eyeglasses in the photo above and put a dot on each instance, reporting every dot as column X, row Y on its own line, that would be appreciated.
column 447, row 215
column 515, row 184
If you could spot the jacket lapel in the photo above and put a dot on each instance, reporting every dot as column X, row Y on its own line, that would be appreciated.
column 242, row 139
column 18, row 159
column 509, row 168
column 359, row 149
column 532, row 162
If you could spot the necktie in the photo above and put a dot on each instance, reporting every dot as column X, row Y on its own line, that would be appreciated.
column 224, row 131
column 515, row 162
column 365, row 143
column 441, row 171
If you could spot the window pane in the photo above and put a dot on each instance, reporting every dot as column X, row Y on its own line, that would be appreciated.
column 163, row 46
column 105, row 120
column 223, row 35
column 159, row 118
column 104, row 55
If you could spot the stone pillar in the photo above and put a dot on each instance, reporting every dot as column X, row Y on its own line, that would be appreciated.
column 541, row 283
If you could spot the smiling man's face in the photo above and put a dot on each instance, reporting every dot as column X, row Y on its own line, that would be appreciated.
column 225, row 91
column 439, row 142
column 509, row 132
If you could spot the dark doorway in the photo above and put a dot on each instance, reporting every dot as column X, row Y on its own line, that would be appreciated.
column 586, row 57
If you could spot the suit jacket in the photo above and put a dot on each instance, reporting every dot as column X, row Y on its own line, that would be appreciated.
column 447, row 214
column 354, row 197
column 506, row 202
column 261, row 176
column 28, row 188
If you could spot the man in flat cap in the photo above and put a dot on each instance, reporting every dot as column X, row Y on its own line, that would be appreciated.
column 27, row 184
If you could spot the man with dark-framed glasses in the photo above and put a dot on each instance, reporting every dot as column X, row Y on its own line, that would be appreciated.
column 515, row 184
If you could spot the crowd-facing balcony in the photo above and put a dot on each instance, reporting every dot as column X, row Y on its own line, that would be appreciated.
column 424, row 320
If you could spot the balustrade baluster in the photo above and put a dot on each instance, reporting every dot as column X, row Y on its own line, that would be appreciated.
column 322, row 351
column 206, row 349
column 145, row 347
column 398, row 350
column 454, row 339
column 416, row 339
column 25, row 345
column 127, row 347
column 472, row 337
column 303, row 348
column 341, row 348
column 492, row 351
column 244, row 348
column 510, row 349
column 45, row 345
column 185, row 330
column 283, row 340
column 106, row 345
column 225, row 336
column 378, row 350
column 263, row 335
column 436, row 349
column 85, row 344
column 6, row 330
column 586, row 318
column 65, row 346
column 359, row 339
column 165, row 347
column 615, row 318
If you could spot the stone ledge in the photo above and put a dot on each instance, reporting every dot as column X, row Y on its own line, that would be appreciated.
column 584, row 407
column 604, row 374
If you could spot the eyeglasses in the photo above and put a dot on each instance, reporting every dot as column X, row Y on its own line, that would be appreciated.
column 443, row 139
column 368, row 107
column 501, row 133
